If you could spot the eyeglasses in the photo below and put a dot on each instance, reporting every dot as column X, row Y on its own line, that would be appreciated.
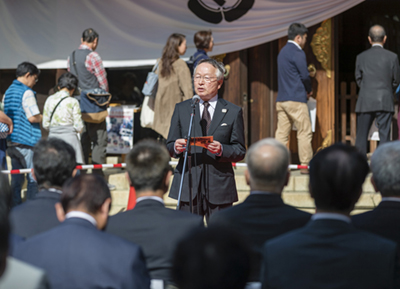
column 207, row 79
column 35, row 77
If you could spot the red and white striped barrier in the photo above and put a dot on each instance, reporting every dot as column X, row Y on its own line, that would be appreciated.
column 123, row 165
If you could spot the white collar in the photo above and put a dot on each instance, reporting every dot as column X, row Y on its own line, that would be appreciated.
column 55, row 190
column 81, row 215
column 330, row 216
column 295, row 43
column 155, row 198
column 377, row 44
column 212, row 101
column 391, row 199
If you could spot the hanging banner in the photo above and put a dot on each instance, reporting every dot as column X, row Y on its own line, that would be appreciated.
column 134, row 32
column 120, row 129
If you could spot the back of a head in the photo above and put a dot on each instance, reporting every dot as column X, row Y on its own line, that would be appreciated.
column 26, row 67
column 337, row 174
column 89, row 35
column 53, row 162
column 202, row 39
column 88, row 192
column 296, row 29
column 147, row 165
column 171, row 53
column 377, row 33
column 385, row 167
column 267, row 162
column 212, row 258
column 67, row 80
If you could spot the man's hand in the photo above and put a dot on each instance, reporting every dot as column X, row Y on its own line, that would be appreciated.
column 309, row 94
column 214, row 147
column 180, row 145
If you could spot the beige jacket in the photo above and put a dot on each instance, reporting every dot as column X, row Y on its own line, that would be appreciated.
column 172, row 90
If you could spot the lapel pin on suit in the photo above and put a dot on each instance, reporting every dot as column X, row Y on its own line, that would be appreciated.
column 224, row 110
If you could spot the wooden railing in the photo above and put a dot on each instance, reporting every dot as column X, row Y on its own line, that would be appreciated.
column 347, row 112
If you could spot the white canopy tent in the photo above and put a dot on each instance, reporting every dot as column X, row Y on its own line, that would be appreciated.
column 133, row 32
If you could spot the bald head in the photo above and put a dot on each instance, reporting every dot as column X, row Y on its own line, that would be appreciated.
column 268, row 162
column 377, row 34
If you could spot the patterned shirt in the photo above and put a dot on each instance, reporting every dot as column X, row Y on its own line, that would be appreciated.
column 67, row 113
column 94, row 65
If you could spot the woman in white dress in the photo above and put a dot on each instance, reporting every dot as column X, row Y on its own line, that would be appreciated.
column 62, row 114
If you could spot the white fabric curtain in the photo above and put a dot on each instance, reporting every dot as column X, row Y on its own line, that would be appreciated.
column 133, row 32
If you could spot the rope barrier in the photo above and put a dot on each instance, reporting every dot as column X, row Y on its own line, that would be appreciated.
column 123, row 165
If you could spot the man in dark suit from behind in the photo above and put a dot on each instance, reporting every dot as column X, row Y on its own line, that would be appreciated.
column 53, row 163
column 384, row 220
column 329, row 252
column 77, row 253
column 263, row 215
column 377, row 75
column 152, row 226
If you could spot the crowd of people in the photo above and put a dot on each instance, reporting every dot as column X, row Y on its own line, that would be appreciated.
column 67, row 239
column 63, row 236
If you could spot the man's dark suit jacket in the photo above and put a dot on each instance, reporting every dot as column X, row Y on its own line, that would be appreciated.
column 329, row 254
column 377, row 75
column 227, row 128
column 35, row 216
column 259, row 218
column 76, row 254
column 157, row 230
column 293, row 77
column 384, row 220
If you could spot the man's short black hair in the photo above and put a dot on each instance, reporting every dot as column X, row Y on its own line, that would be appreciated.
column 87, row 191
column 53, row 162
column 212, row 258
column 147, row 165
column 67, row 80
column 89, row 35
column 337, row 174
column 25, row 67
column 296, row 29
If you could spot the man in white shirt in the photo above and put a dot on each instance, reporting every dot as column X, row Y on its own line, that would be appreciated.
column 329, row 251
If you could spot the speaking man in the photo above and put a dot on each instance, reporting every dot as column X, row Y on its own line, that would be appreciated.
column 214, row 185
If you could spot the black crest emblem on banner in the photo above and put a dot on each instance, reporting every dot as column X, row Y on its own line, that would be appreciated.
column 214, row 11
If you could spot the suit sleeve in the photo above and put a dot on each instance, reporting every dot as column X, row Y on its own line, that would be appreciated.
column 174, row 132
column 396, row 73
column 235, row 150
column 358, row 73
column 301, row 64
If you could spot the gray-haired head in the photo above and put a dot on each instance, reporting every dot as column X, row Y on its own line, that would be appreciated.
column 385, row 167
column 218, row 65
column 377, row 33
column 267, row 163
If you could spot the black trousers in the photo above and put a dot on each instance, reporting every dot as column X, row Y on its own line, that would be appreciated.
column 364, row 122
